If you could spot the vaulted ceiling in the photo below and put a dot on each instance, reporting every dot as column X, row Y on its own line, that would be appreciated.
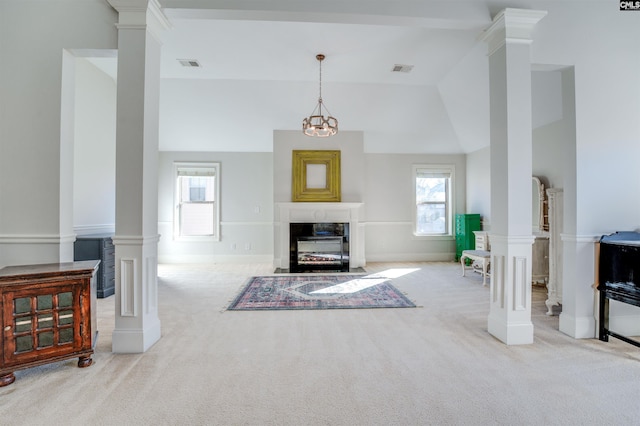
column 257, row 72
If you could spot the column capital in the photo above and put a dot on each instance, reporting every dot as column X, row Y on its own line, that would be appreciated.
column 140, row 14
column 511, row 25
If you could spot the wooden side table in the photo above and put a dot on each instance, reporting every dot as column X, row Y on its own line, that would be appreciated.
column 47, row 314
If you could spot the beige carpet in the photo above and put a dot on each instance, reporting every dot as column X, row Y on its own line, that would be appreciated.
column 435, row 365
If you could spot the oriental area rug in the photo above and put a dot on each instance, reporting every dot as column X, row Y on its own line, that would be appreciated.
column 313, row 291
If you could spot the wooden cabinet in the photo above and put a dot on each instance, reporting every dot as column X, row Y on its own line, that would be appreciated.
column 47, row 314
column 99, row 247
column 465, row 224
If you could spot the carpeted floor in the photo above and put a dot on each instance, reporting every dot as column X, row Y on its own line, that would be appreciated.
column 431, row 366
column 314, row 291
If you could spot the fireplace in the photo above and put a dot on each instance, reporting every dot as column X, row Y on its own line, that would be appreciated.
column 345, row 213
column 318, row 247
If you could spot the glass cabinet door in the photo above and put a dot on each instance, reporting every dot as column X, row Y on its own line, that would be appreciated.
column 41, row 321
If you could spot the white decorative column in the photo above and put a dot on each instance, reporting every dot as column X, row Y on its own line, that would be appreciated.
column 509, row 39
column 579, row 296
column 137, row 326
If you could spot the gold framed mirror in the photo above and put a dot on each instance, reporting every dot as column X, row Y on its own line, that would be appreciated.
column 315, row 176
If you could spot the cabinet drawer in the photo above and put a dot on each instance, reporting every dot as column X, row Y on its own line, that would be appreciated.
column 480, row 243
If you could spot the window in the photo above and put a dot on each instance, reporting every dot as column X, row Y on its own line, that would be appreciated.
column 433, row 187
column 198, row 205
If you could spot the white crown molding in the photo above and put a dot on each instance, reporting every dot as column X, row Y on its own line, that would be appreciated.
column 511, row 26
column 140, row 15
column 159, row 22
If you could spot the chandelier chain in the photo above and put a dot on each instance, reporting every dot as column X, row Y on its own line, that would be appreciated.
column 320, row 86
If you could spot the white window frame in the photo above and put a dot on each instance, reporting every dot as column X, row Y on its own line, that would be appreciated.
column 209, row 168
column 450, row 207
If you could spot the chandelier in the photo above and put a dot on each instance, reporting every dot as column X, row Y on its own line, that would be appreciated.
column 317, row 124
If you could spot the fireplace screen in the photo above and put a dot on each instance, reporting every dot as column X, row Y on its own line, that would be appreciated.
column 319, row 246
column 320, row 251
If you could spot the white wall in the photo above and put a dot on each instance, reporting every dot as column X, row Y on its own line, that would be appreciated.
column 389, row 204
column 587, row 40
column 600, row 183
column 607, row 100
column 553, row 111
column 94, row 189
column 246, row 202
column 554, row 126
column 35, row 145
column 465, row 94
column 258, row 180
column 384, row 183
column 478, row 188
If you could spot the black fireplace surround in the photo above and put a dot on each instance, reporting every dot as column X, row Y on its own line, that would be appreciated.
column 318, row 247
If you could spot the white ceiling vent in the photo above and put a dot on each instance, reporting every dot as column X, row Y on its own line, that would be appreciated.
column 402, row 68
column 189, row 63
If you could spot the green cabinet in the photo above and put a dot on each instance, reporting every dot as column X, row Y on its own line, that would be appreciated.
column 465, row 239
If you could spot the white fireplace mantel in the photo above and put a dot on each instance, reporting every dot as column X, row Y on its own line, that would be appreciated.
column 306, row 212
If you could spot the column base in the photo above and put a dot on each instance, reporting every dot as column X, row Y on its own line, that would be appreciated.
column 578, row 328
column 511, row 334
column 135, row 341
